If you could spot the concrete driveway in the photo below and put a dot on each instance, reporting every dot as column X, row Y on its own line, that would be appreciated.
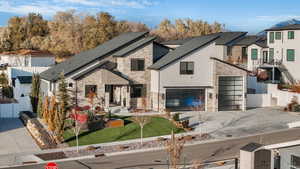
column 14, row 137
column 237, row 123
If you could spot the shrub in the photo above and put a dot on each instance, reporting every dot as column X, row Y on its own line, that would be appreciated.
column 176, row 117
column 8, row 92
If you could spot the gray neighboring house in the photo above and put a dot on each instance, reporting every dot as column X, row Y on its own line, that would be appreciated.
column 195, row 76
column 116, row 71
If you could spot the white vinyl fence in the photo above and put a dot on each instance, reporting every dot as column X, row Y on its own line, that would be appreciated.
column 12, row 110
column 274, row 97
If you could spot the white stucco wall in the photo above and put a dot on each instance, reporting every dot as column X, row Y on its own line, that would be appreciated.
column 280, row 51
column 253, row 64
column 203, row 70
column 20, row 89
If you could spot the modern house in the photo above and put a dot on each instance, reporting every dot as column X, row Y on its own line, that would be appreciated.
column 195, row 76
column 116, row 71
column 27, row 58
column 278, row 57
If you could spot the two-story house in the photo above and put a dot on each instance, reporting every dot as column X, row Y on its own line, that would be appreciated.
column 115, row 70
column 195, row 76
column 278, row 56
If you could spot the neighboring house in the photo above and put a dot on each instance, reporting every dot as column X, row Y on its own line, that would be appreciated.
column 285, row 155
column 195, row 76
column 237, row 51
column 22, row 86
column 279, row 58
column 27, row 58
column 116, row 71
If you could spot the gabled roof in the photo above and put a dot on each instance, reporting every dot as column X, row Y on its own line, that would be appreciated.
column 25, row 79
column 183, row 50
column 247, row 40
column 230, row 64
column 84, row 58
column 92, row 68
column 195, row 43
column 177, row 42
column 251, row 147
column 287, row 27
column 133, row 46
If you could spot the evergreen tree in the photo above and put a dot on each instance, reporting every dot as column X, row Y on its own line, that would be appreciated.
column 35, row 92
column 40, row 107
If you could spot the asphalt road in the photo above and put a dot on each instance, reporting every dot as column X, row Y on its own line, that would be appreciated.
column 211, row 151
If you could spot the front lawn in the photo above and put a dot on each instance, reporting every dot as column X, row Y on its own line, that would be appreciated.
column 157, row 127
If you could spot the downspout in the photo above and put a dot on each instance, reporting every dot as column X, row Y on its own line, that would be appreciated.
column 158, row 90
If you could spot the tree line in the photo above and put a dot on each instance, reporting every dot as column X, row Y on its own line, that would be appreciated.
column 70, row 32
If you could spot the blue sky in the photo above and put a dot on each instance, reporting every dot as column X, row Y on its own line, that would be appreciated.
column 237, row 15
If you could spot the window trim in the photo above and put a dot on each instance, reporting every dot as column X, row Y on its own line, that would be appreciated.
column 256, row 57
column 137, row 60
column 289, row 35
column 271, row 37
column 186, row 70
column 278, row 35
column 287, row 55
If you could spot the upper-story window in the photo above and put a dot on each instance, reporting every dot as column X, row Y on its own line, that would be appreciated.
column 278, row 35
column 186, row 68
column 254, row 54
column 291, row 34
column 295, row 162
column 290, row 54
column 137, row 64
column 271, row 37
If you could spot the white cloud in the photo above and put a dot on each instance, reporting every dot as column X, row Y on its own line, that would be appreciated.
column 277, row 18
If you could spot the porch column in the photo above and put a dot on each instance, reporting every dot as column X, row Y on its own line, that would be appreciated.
column 127, row 96
column 106, row 100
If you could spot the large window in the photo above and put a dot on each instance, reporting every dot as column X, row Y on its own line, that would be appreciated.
column 254, row 54
column 295, row 162
column 89, row 89
column 271, row 37
column 136, row 91
column 278, row 35
column 271, row 54
column 290, row 55
column 291, row 34
column 137, row 64
column 186, row 68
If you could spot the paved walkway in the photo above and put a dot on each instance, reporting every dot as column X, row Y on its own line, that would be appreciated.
column 14, row 137
column 236, row 123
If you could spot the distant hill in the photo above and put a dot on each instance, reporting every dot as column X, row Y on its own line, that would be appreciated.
column 281, row 24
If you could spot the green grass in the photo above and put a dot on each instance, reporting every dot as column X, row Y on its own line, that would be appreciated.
column 157, row 127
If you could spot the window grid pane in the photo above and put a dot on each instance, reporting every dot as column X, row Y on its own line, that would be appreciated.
column 290, row 55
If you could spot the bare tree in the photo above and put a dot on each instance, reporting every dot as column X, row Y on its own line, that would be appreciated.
column 174, row 147
column 141, row 120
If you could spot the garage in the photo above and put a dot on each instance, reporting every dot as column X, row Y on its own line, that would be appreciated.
column 231, row 91
column 185, row 99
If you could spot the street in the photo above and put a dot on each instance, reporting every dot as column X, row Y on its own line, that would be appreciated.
column 211, row 151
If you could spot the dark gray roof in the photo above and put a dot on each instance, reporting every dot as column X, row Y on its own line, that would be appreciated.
column 177, row 42
column 133, row 46
column 221, row 38
column 25, row 79
column 92, row 68
column 247, row 40
column 251, row 147
column 262, row 43
column 228, row 37
column 79, row 60
column 287, row 27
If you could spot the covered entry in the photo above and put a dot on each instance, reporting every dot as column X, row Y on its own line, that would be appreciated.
column 230, row 93
column 185, row 99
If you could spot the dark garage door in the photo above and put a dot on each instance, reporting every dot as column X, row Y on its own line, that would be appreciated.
column 230, row 93
column 185, row 99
